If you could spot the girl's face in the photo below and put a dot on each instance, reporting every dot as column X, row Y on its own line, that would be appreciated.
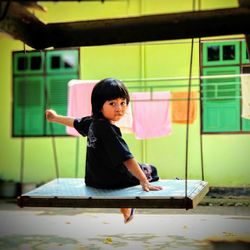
column 114, row 110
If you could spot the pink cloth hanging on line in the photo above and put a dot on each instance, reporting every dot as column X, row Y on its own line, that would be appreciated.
column 151, row 114
column 79, row 100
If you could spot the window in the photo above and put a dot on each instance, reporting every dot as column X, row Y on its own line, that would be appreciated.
column 40, row 80
column 221, row 96
column 66, row 62
column 221, row 103
column 221, row 53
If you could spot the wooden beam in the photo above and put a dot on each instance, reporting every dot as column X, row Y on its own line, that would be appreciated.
column 246, row 3
column 23, row 25
column 127, row 30
column 150, row 28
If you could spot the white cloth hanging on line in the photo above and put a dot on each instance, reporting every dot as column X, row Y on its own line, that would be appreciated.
column 245, row 93
column 126, row 122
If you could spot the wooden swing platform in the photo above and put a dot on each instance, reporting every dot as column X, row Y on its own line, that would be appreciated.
column 72, row 192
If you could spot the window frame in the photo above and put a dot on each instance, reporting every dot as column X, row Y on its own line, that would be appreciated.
column 245, row 60
column 220, row 44
column 43, row 74
column 204, row 65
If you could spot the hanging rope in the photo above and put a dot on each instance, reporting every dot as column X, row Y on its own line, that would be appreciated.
column 188, row 110
column 5, row 11
column 23, row 88
column 47, row 106
column 77, row 157
column 201, row 138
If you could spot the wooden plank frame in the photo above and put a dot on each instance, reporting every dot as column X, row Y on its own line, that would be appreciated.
column 195, row 195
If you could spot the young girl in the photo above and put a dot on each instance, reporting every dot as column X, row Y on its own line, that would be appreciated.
column 109, row 162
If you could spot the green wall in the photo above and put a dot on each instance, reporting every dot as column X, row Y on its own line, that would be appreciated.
column 226, row 157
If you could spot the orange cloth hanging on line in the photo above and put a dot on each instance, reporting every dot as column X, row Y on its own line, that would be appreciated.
column 180, row 107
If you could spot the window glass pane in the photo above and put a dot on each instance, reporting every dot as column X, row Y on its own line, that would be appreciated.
column 22, row 63
column 36, row 62
column 55, row 62
column 228, row 52
column 213, row 53
column 246, row 70
column 68, row 61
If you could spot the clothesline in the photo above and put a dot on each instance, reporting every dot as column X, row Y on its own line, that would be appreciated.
column 182, row 85
column 179, row 85
column 185, row 99
column 150, row 117
column 182, row 78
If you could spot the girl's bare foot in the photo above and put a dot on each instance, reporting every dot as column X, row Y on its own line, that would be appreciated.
column 128, row 214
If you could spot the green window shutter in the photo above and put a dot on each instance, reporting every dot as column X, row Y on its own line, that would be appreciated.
column 28, row 63
column 28, row 109
column 62, row 61
column 220, row 53
column 245, row 124
column 221, row 103
column 57, row 87
column 244, row 55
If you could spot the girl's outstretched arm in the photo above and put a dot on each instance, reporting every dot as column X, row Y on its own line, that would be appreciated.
column 52, row 116
column 135, row 169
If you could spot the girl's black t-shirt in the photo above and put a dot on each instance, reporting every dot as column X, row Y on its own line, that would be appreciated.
column 106, row 152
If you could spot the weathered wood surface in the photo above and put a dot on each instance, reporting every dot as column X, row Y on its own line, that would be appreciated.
column 23, row 25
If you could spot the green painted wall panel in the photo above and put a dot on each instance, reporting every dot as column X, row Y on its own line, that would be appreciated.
column 122, row 62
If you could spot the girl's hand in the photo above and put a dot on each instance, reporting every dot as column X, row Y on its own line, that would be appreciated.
column 50, row 115
column 146, row 186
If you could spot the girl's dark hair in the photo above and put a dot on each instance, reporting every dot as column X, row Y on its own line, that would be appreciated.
column 105, row 90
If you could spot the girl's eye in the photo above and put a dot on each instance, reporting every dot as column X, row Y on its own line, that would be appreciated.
column 122, row 104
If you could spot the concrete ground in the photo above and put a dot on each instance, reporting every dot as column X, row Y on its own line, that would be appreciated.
column 205, row 227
